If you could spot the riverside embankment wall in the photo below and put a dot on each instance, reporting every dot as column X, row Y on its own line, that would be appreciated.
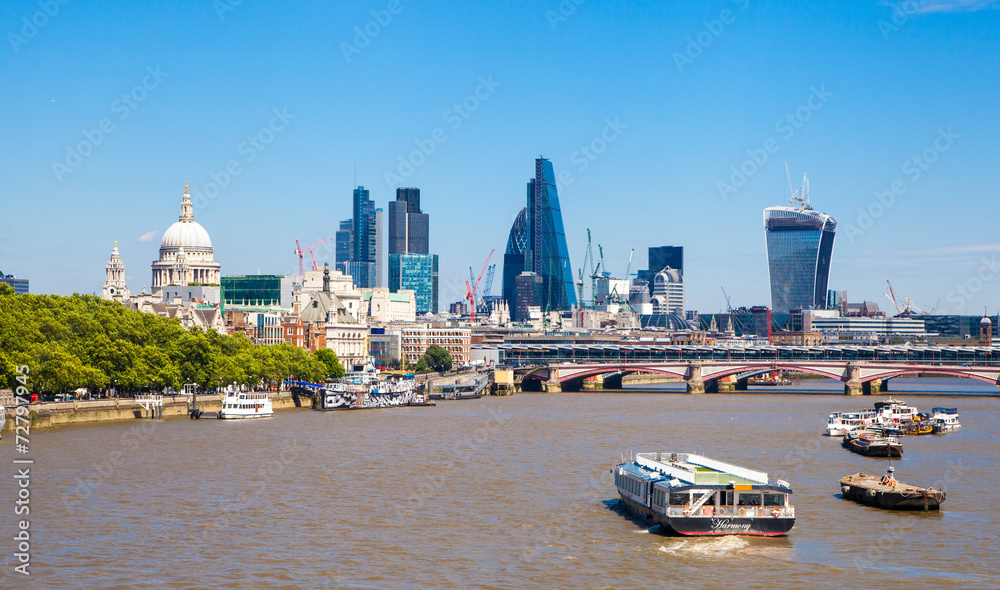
column 48, row 414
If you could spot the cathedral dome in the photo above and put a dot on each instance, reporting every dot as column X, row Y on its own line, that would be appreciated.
column 188, row 233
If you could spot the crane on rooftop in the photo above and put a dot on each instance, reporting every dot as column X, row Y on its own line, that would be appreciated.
column 300, row 252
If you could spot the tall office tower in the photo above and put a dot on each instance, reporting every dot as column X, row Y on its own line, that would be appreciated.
column 365, row 249
column 343, row 241
column 411, row 266
column 408, row 225
column 513, row 258
column 799, row 251
column 379, row 278
column 547, row 254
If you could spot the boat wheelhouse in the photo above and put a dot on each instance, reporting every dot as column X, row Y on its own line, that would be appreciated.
column 238, row 405
column 690, row 494
column 840, row 423
column 894, row 411
column 945, row 419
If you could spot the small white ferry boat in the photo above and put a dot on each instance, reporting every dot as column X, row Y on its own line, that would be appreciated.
column 693, row 495
column 240, row 405
column 945, row 419
column 840, row 423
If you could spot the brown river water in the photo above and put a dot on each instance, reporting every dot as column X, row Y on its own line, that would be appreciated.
column 494, row 493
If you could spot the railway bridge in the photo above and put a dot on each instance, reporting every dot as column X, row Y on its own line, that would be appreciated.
column 706, row 369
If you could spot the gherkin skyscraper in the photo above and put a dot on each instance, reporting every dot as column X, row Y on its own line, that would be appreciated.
column 547, row 254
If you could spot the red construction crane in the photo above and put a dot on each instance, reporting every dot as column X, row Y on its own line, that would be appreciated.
column 470, row 290
column 300, row 251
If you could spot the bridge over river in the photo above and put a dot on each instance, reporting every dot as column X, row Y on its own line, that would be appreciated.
column 862, row 369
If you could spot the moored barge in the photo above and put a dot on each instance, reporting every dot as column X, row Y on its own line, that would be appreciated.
column 887, row 493
column 693, row 495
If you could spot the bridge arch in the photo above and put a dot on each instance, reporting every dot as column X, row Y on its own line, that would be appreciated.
column 764, row 368
column 929, row 371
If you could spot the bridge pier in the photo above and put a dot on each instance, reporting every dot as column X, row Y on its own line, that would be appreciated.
column 553, row 385
column 695, row 384
column 742, row 384
column 873, row 387
column 853, row 385
column 726, row 384
column 613, row 381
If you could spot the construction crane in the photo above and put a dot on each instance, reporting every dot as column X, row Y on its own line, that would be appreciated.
column 300, row 251
column 488, row 287
column 729, row 305
column 615, row 295
column 470, row 289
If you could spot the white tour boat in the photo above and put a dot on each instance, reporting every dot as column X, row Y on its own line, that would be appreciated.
column 240, row 405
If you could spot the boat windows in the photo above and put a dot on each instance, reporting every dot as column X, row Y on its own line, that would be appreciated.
column 679, row 499
column 774, row 499
column 725, row 498
column 749, row 499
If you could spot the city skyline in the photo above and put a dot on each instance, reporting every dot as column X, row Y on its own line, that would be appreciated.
column 660, row 152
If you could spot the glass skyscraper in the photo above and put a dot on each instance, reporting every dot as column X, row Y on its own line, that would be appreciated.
column 366, row 238
column 547, row 254
column 513, row 258
column 411, row 266
column 418, row 272
column 799, row 251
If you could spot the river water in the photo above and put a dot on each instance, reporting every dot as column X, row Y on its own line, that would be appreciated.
column 493, row 493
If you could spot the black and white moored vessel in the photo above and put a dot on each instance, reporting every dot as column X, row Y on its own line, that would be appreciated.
column 693, row 495
column 369, row 388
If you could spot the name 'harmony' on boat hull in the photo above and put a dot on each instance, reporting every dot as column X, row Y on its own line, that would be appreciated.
column 689, row 494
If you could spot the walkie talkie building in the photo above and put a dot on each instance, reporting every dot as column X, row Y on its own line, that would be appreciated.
column 799, row 250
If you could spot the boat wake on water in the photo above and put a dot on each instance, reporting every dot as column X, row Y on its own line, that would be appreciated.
column 707, row 547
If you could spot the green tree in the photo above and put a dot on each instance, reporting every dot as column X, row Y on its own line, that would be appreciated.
column 334, row 370
column 421, row 366
column 437, row 358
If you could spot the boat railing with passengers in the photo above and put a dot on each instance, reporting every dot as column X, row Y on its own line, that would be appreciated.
column 693, row 495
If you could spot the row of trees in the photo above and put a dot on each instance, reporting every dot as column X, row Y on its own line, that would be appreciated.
column 84, row 341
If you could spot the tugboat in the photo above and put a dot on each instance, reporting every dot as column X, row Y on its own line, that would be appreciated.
column 871, row 444
column 887, row 493
column 688, row 494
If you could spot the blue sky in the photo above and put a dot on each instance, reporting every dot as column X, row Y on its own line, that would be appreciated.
column 673, row 96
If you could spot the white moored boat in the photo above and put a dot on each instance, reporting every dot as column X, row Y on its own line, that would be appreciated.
column 240, row 405
column 945, row 419
column 840, row 423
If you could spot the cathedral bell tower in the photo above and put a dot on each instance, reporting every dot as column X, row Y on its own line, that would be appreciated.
column 115, row 288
